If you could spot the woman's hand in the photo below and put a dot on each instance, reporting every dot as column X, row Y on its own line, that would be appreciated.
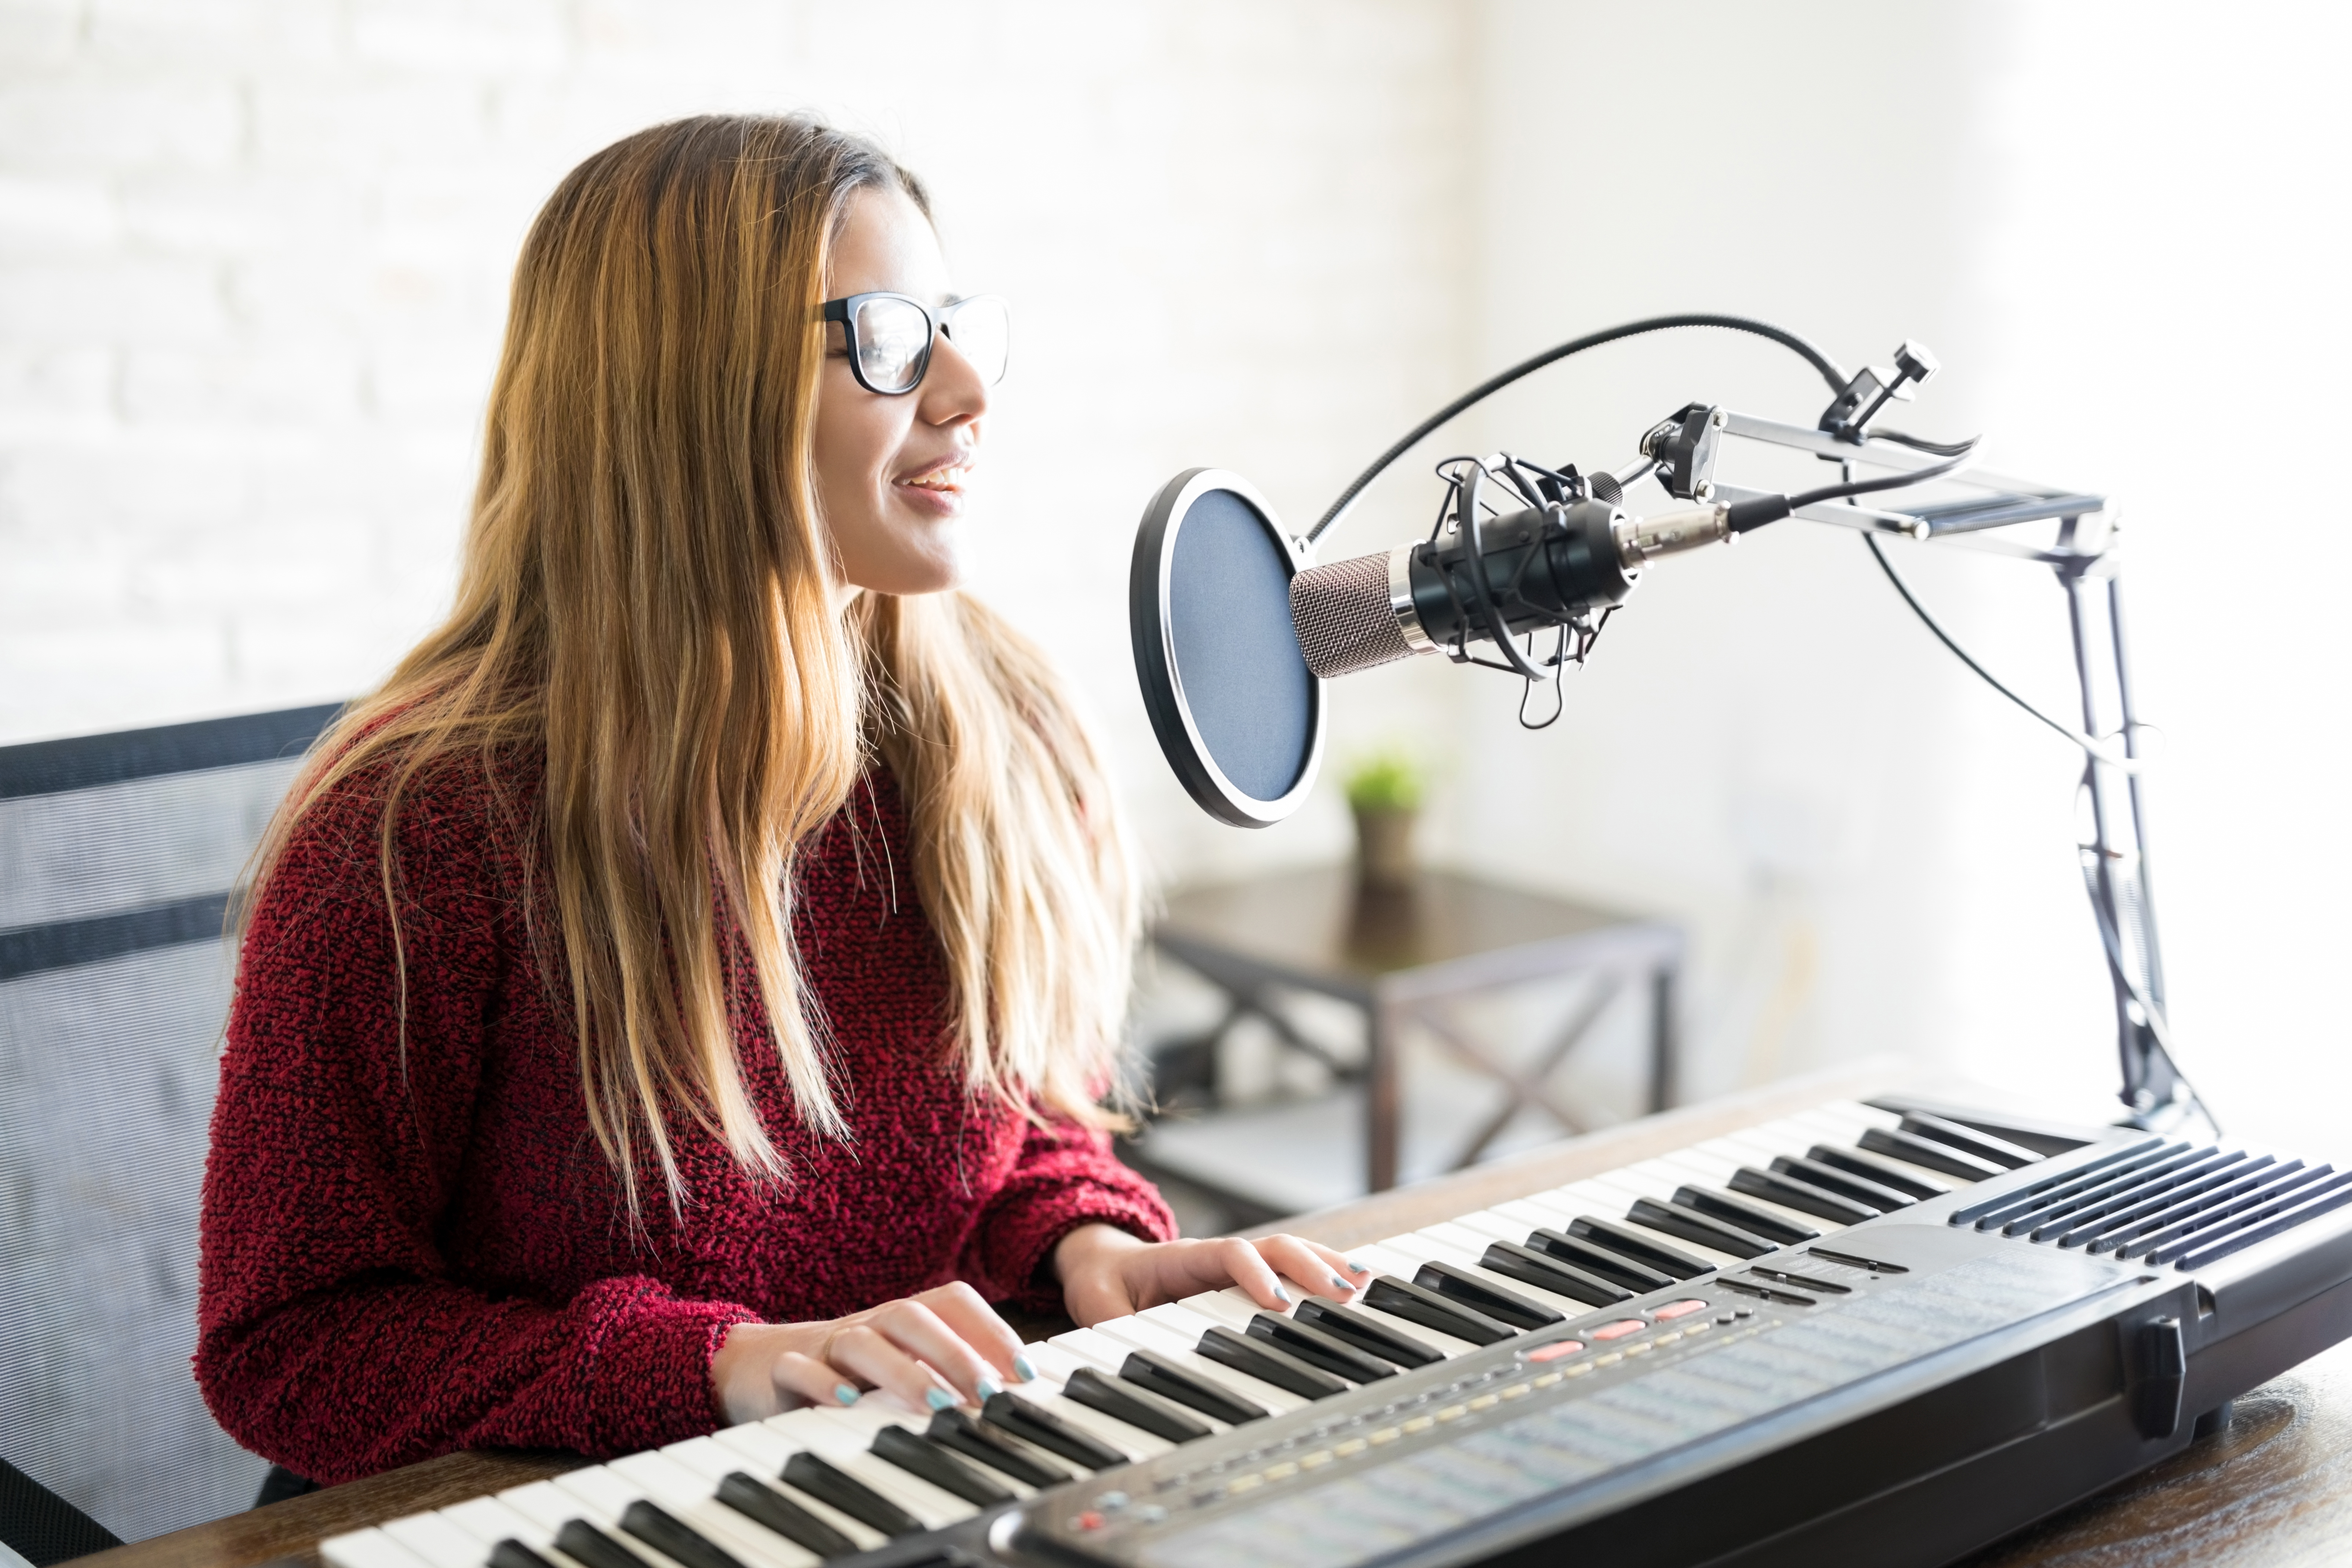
column 1106, row 1273
column 943, row 1347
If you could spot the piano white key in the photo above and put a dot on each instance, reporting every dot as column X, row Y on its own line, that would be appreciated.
column 1053, row 1363
column 368, row 1549
column 1843, row 1124
column 1529, row 1213
column 1740, row 1149
column 543, row 1503
column 693, row 1501
column 1489, row 1226
column 1240, row 1298
column 1605, row 1199
column 1219, row 1307
column 1689, row 1165
column 438, row 1542
column 1178, row 1319
column 1384, row 1261
column 490, row 1521
column 1175, row 1349
column 1656, row 1178
column 1095, row 1348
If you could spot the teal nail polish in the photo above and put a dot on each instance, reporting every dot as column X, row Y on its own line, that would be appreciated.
column 989, row 1387
column 1356, row 1268
column 1281, row 1295
column 938, row 1398
column 845, row 1393
column 1024, row 1369
column 1341, row 1283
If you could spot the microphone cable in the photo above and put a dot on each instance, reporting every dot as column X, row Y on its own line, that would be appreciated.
column 1829, row 368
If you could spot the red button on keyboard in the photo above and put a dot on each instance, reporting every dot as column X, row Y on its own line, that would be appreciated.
column 1620, row 1328
column 1555, row 1349
column 1673, row 1309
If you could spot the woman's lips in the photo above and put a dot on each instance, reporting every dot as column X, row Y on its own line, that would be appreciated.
column 947, row 477
column 938, row 490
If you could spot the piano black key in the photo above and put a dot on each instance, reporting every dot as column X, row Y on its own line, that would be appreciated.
column 926, row 1460
column 1747, row 1216
column 1493, row 1300
column 1417, row 1304
column 674, row 1538
column 1122, row 1402
column 514, row 1554
column 837, row 1489
column 1632, row 1244
column 1969, row 1140
column 1319, row 1347
column 1546, row 1273
column 1681, row 1220
column 1887, row 1173
column 763, row 1504
column 592, row 1548
column 1049, row 1432
column 1577, row 1252
column 1914, row 1150
column 1869, row 1193
column 1366, row 1333
column 1268, row 1364
column 954, row 1429
column 1792, row 1192
column 1157, row 1375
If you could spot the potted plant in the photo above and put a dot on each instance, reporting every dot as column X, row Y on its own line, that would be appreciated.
column 1385, row 791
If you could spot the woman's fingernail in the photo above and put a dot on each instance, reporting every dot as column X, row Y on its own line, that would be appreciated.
column 1356, row 1268
column 937, row 1398
column 1024, row 1369
column 1341, row 1283
column 989, row 1387
column 1280, row 1294
column 845, row 1393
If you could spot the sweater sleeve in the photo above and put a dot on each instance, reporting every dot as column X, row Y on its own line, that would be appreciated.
column 1065, row 1176
column 333, row 1337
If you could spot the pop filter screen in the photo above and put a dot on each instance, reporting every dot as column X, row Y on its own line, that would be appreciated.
column 1236, row 709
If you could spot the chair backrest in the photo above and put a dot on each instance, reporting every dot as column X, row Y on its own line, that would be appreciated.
column 118, row 854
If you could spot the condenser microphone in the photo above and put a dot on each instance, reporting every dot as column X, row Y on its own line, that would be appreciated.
column 1530, row 571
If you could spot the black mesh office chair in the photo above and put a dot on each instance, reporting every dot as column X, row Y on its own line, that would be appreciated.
column 117, row 857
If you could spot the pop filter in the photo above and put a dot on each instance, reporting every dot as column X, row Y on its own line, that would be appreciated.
column 1236, row 709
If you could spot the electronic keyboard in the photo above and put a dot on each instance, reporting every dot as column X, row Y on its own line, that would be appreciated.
column 1887, row 1333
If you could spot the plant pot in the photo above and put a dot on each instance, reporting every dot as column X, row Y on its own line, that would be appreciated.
column 1384, row 857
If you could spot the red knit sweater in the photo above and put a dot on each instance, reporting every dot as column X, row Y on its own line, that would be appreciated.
column 407, row 1256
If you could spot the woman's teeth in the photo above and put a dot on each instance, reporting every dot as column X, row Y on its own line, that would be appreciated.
column 940, row 479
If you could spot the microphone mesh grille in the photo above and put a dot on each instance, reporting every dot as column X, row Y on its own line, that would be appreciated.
column 1343, row 618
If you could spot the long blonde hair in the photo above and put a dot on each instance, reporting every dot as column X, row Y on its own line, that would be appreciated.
column 645, row 602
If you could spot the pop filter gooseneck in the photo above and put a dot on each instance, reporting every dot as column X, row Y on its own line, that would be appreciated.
column 1238, row 713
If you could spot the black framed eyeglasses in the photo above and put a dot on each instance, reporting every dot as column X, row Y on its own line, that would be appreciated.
column 890, row 337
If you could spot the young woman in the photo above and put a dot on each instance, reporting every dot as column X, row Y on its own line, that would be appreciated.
column 688, row 989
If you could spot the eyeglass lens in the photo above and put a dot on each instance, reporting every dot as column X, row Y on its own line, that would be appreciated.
column 982, row 330
column 894, row 341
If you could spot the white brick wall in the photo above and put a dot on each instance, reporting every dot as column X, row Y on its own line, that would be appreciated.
column 254, row 254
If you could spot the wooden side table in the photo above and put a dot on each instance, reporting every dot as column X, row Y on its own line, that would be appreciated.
column 1404, row 954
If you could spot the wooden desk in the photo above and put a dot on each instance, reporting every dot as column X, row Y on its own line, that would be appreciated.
column 1404, row 956
column 2274, row 1487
